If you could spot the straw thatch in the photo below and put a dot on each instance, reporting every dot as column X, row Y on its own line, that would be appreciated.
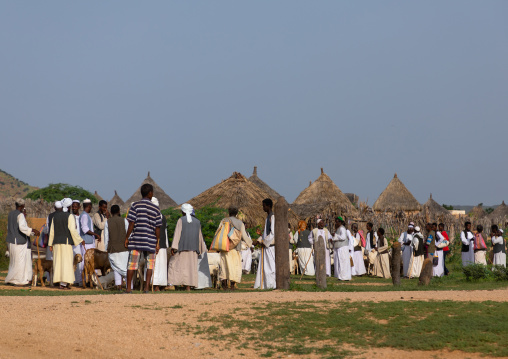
column 434, row 212
column 258, row 182
column 353, row 198
column 164, row 200
column 477, row 212
column 322, row 197
column 500, row 214
column 116, row 200
column 96, row 195
column 396, row 198
column 238, row 191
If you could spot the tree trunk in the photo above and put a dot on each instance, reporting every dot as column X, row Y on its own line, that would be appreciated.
column 426, row 274
column 319, row 254
column 396, row 256
column 281, row 244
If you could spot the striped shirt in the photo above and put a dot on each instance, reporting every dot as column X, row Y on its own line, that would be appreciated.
column 146, row 217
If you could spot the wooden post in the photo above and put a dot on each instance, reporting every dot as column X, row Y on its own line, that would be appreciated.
column 281, row 208
column 396, row 256
column 426, row 274
column 319, row 254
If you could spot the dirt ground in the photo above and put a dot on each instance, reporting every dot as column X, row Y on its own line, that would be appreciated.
column 119, row 326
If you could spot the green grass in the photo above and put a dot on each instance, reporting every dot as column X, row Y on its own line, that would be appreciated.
column 322, row 328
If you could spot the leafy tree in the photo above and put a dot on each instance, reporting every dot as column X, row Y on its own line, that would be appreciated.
column 448, row 207
column 489, row 210
column 56, row 191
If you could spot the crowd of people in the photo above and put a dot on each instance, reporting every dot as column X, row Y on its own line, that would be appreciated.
column 142, row 235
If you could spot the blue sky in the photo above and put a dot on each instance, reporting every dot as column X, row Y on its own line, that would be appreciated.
column 97, row 94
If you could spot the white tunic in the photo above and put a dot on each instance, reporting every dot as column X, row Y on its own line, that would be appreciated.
column 20, row 257
column 499, row 258
column 467, row 257
column 359, row 264
column 438, row 270
column 326, row 238
column 406, row 241
column 342, row 263
column 265, row 276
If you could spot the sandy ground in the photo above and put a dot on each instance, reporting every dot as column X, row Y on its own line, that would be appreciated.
column 119, row 326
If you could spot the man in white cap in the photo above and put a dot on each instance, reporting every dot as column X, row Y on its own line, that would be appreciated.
column 143, row 234
column 115, row 230
column 66, row 204
column 341, row 248
column 265, row 276
column 86, row 229
column 323, row 232
column 416, row 262
column 58, row 208
column 187, row 245
column 406, row 241
column 160, row 271
column 18, row 242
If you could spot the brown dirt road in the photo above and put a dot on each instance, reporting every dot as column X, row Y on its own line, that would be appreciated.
column 147, row 325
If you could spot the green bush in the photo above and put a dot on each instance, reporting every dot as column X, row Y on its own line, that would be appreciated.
column 4, row 261
column 476, row 272
column 500, row 273
column 57, row 191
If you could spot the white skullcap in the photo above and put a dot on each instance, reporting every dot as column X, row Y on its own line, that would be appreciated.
column 155, row 201
column 58, row 204
column 410, row 226
column 500, row 230
column 417, row 229
column 187, row 209
column 76, row 201
column 20, row 201
column 319, row 220
column 87, row 201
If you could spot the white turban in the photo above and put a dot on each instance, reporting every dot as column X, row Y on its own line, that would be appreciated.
column 58, row 204
column 76, row 201
column 319, row 220
column 417, row 229
column 500, row 230
column 155, row 201
column 187, row 209
column 66, row 202
column 87, row 201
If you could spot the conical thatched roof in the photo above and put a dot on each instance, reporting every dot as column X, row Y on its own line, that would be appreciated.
column 435, row 211
column 395, row 198
column 116, row 200
column 500, row 213
column 164, row 200
column 238, row 191
column 477, row 212
column 322, row 197
column 99, row 198
column 258, row 182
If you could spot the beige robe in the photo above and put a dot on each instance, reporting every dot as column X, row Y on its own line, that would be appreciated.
column 63, row 255
column 231, row 262
column 382, row 263
column 96, row 220
column 183, row 266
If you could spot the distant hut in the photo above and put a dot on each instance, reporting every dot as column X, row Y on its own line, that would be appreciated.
column 396, row 198
column 116, row 200
column 96, row 195
column 258, row 182
column 164, row 200
column 434, row 212
column 500, row 215
column 353, row 198
column 238, row 191
column 477, row 212
column 322, row 197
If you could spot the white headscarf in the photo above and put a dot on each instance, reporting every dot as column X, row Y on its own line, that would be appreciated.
column 187, row 209
column 58, row 204
column 155, row 201
column 66, row 202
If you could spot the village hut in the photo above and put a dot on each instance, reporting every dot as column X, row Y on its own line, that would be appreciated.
column 164, row 200
column 477, row 212
column 323, row 197
column 396, row 198
column 96, row 195
column 116, row 200
column 434, row 212
column 238, row 191
column 500, row 215
column 261, row 184
column 353, row 198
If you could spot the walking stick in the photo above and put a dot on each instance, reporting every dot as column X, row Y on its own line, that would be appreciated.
column 308, row 260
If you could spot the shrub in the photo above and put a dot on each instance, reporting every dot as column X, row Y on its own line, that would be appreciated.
column 499, row 272
column 57, row 191
column 476, row 272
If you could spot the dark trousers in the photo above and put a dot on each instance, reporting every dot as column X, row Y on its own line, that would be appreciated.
column 444, row 262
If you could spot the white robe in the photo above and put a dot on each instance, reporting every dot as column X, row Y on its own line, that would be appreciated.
column 204, row 278
column 406, row 241
column 438, row 270
column 119, row 261
column 305, row 258
column 467, row 257
column 20, row 257
column 417, row 261
column 351, row 251
column 499, row 258
column 246, row 260
column 265, row 276
column 342, row 263
column 359, row 263
column 322, row 232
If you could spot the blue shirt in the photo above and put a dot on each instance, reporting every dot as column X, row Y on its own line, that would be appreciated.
column 146, row 217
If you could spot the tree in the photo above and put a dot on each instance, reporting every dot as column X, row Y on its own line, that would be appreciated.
column 448, row 207
column 56, row 191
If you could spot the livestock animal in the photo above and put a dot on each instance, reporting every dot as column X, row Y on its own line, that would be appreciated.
column 213, row 266
column 95, row 259
column 45, row 265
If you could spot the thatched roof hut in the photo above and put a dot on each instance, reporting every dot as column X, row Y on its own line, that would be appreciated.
column 238, row 191
column 164, row 200
column 396, row 198
column 116, row 200
column 500, row 214
column 477, row 212
column 258, row 182
column 434, row 212
column 322, row 197
column 96, row 195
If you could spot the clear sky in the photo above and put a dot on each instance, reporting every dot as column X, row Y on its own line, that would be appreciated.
column 97, row 94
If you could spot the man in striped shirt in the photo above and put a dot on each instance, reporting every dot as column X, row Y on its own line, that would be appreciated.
column 144, row 224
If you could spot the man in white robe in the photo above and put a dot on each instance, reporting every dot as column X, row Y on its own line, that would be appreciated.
column 18, row 244
column 351, row 241
column 359, row 264
column 341, row 258
column 370, row 244
column 467, row 238
column 498, row 247
column 438, row 270
column 246, row 257
column 322, row 232
column 406, row 241
column 265, row 276
column 304, row 250
column 115, row 230
column 77, row 249
column 416, row 262
column 160, row 270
